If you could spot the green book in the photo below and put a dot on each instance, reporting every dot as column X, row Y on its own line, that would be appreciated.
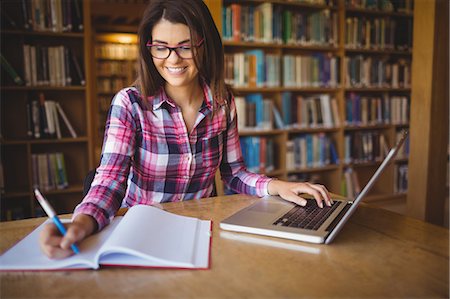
column 10, row 70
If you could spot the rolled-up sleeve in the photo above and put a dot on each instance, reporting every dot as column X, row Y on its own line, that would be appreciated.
column 234, row 173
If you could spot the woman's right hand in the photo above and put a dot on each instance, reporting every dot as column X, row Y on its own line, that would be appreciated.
column 55, row 246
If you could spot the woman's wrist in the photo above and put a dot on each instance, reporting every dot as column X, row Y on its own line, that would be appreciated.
column 272, row 187
column 87, row 222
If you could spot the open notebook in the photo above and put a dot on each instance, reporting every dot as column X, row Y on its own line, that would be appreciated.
column 145, row 237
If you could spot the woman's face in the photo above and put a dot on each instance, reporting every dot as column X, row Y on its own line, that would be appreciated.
column 177, row 72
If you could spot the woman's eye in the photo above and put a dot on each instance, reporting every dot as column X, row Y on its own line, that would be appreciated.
column 160, row 48
column 185, row 48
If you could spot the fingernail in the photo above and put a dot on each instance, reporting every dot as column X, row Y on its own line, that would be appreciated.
column 303, row 203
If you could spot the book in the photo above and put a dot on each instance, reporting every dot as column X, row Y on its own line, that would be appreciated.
column 165, row 240
column 66, row 120
column 10, row 70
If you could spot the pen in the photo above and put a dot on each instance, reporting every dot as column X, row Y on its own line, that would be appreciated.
column 51, row 214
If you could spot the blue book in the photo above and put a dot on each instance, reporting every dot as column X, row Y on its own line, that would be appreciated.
column 309, row 151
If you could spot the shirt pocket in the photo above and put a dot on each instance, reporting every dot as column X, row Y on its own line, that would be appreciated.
column 212, row 150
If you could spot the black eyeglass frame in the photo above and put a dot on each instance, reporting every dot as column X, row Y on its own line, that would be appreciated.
column 149, row 45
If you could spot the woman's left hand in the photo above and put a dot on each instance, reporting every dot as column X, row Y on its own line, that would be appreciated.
column 290, row 191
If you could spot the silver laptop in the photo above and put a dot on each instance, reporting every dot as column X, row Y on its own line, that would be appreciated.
column 273, row 216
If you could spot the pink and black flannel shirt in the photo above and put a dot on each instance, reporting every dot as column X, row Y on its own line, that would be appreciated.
column 148, row 155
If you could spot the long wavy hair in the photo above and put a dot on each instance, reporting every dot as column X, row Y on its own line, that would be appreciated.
column 210, row 62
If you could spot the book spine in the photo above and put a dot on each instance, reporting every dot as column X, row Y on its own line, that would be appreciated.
column 66, row 121
column 10, row 70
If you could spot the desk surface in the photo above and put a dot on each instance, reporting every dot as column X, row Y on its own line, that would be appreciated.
column 377, row 254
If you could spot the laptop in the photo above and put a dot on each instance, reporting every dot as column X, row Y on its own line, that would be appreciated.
column 275, row 217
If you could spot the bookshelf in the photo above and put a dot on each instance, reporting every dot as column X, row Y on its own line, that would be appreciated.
column 58, row 37
column 359, row 57
column 115, row 68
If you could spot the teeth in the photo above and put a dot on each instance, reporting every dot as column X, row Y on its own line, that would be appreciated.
column 175, row 70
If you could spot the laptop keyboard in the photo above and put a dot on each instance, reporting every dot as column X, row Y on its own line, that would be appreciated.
column 310, row 216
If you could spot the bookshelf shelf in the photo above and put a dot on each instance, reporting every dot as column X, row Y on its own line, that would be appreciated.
column 314, row 169
column 260, row 132
column 44, row 88
column 373, row 12
column 302, row 46
column 312, row 130
column 362, row 164
column 368, row 127
column 40, row 114
column 377, row 51
column 46, row 141
column 377, row 89
column 44, row 34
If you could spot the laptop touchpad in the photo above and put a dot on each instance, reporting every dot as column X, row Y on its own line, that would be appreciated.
column 266, row 207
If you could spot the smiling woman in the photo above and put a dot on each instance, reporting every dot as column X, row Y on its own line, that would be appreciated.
column 168, row 134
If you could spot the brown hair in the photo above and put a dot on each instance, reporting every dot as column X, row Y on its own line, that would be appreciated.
column 194, row 14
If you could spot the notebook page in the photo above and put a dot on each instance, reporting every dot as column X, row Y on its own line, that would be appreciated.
column 27, row 255
column 162, row 238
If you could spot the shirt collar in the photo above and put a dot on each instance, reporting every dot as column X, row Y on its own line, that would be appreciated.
column 161, row 98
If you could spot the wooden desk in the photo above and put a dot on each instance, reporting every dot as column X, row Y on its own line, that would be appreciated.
column 377, row 254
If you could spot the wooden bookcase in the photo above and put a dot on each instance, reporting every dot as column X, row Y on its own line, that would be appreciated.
column 115, row 68
column 17, row 148
column 330, row 175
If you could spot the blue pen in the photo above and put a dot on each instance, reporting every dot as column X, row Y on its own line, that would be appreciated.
column 51, row 214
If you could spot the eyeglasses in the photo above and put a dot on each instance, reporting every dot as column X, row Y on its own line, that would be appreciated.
column 163, row 52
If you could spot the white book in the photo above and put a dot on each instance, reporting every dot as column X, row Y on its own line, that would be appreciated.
column 55, row 119
column 66, row 121
column 27, row 64
column 50, row 118
column 165, row 240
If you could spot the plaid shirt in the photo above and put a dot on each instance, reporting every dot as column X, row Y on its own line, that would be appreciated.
column 148, row 155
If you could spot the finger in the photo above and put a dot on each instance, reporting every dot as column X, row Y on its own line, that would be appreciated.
column 56, row 252
column 294, row 198
column 324, row 192
column 315, row 193
column 74, row 234
column 50, row 243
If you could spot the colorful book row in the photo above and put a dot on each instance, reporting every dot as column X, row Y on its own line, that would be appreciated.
column 270, row 23
column 364, row 146
column 405, row 6
column 315, row 111
column 44, row 15
column 252, row 69
column 316, row 70
column 369, row 71
column 378, row 33
column 363, row 110
column 310, row 151
column 254, row 112
column 49, row 171
column 51, row 66
column 258, row 69
column 258, row 153
column 43, row 119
